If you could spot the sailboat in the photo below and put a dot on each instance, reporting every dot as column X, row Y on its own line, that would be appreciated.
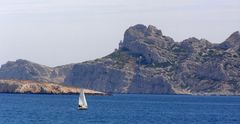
column 82, row 102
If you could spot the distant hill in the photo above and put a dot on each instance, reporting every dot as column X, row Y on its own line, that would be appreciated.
column 27, row 70
column 149, row 62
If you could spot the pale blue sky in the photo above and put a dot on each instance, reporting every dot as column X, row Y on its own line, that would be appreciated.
column 57, row 32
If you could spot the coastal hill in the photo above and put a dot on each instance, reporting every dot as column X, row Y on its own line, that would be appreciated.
column 147, row 61
column 27, row 70
column 26, row 86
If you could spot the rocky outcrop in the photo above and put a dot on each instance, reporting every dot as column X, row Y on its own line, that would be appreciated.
column 20, row 86
column 26, row 70
column 232, row 42
column 147, row 42
column 149, row 62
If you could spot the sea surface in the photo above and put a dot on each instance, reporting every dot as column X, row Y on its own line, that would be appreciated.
column 119, row 109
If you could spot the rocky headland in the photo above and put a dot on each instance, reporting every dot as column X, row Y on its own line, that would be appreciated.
column 147, row 61
column 33, row 87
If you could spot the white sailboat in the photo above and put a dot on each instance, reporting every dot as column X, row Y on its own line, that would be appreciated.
column 82, row 102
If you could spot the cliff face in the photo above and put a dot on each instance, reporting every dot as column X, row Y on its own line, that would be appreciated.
column 26, row 70
column 20, row 86
column 149, row 62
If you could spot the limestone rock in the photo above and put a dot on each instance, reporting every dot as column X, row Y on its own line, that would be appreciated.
column 148, row 61
column 27, row 70
column 24, row 86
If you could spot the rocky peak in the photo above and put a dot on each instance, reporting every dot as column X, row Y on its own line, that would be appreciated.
column 140, row 31
column 22, row 61
column 145, row 37
column 23, row 69
column 153, row 31
column 16, row 63
column 190, row 40
column 134, row 32
column 195, row 43
column 232, row 41
column 235, row 34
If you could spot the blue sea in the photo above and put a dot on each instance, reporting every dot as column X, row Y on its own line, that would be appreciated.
column 119, row 109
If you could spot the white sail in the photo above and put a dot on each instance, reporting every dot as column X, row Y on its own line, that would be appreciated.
column 82, row 100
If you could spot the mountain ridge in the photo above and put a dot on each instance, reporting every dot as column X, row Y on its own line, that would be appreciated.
column 147, row 61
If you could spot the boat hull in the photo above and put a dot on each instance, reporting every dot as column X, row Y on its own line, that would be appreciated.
column 82, row 108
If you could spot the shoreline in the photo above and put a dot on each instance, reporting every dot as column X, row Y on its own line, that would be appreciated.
column 112, row 94
column 90, row 94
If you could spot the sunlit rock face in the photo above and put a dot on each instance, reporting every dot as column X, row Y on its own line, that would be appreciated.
column 27, row 86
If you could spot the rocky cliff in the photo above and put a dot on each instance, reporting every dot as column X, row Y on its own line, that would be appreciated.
column 147, row 61
column 24, row 86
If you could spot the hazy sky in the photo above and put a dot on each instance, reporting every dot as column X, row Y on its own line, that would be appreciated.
column 57, row 32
